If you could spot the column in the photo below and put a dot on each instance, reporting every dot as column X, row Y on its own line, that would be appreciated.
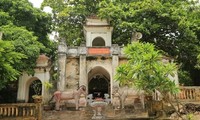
column 115, row 63
column 21, row 90
column 45, row 89
column 82, row 66
column 62, row 58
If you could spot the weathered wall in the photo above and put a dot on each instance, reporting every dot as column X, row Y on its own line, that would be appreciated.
column 72, row 73
column 72, row 70
column 103, row 62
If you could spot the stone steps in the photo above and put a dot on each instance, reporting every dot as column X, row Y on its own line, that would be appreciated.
column 126, row 113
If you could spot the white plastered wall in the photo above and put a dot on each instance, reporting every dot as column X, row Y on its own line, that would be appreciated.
column 25, row 80
column 93, row 32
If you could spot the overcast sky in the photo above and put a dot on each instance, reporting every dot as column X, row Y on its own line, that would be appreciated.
column 36, row 3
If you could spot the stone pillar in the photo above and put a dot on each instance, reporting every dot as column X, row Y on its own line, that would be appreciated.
column 21, row 90
column 62, row 58
column 115, row 63
column 82, row 66
column 45, row 90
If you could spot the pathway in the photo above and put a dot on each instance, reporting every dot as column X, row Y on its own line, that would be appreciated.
column 87, row 113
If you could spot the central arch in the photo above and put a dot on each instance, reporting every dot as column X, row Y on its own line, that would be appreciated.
column 98, row 82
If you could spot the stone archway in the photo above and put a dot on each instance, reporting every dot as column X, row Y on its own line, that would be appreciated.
column 98, row 82
column 42, row 73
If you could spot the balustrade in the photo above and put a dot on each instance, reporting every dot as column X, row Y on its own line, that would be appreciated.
column 20, row 111
column 186, row 94
column 189, row 93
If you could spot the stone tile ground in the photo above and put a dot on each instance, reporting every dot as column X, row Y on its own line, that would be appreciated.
column 87, row 113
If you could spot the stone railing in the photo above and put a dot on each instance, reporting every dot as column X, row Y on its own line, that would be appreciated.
column 21, row 111
column 189, row 94
column 186, row 94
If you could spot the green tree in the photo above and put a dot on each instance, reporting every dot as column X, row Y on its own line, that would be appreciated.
column 8, row 57
column 22, row 13
column 69, row 17
column 172, row 25
column 146, row 69
column 198, row 62
column 4, row 18
column 25, row 35
column 25, row 43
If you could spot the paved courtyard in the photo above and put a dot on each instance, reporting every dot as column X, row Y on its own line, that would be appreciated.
column 87, row 113
column 66, row 115
column 110, row 114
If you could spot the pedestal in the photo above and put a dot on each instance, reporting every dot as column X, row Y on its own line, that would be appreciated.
column 98, row 109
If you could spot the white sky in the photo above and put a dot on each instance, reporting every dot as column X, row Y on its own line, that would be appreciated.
column 37, row 3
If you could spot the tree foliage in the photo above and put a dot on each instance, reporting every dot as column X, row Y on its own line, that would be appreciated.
column 25, row 43
column 172, row 25
column 8, row 58
column 25, row 31
column 198, row 62
column 146, row 69
column 22, row 13
column 69, row 17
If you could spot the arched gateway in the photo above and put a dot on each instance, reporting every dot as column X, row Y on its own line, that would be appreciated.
column 98, row 82
column 92, row 64
column 26, row 81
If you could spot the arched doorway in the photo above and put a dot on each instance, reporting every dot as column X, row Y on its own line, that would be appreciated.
column 98, row 86
column 99, row 82
column 35, row 88
column 98, row 41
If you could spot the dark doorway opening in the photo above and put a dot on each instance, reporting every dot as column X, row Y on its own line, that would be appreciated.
column 98, row 42
column 98, row 86
column 35, row 88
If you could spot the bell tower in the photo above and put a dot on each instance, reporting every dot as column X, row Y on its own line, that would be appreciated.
column 97, row 33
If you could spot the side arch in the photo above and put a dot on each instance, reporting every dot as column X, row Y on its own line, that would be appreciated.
column 29, row 91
